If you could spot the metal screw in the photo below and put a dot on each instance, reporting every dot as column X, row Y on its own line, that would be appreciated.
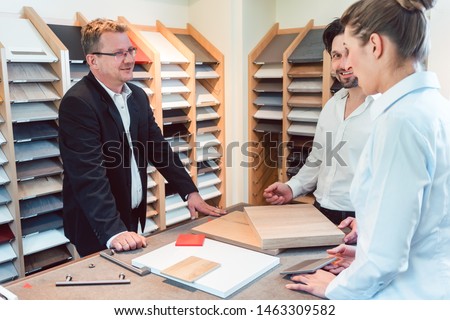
column 68, row 278
column 121, row 276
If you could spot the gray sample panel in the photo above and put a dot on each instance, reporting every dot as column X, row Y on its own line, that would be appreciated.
column 273, row 52
column 38, row 130
column 38, row 168
column 310, row 49
column 33, row 150
column 201, row 54
column 40, row 205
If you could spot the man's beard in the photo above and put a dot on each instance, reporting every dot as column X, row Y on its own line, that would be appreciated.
column 350, row 84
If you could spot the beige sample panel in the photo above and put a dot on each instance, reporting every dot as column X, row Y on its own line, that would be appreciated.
column 232, row 228
column 190, row 269
column 292, row 226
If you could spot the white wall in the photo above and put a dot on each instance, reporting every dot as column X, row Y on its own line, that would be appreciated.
column 234, row 27
column 173, row 13
column 296, row 13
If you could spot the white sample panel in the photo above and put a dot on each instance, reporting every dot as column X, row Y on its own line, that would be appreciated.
column 6, row 252
column 25, row 44
column 232, row 274
column 43, row 240
column 270, row 70
column 167, row 51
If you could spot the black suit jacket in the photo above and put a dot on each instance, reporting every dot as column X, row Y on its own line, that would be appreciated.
column 96, row 159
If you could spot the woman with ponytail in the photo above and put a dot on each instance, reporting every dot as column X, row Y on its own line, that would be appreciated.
column 401, row 188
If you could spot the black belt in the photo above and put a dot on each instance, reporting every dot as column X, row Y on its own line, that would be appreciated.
column 335, row 216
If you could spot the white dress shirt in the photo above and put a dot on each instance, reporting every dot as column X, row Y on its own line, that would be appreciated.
column 401, row 193
column 120, row 100
column 336, row 150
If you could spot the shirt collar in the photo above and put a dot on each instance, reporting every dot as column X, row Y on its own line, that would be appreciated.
column 417, row 80
column 126, row 91
column 343, row 93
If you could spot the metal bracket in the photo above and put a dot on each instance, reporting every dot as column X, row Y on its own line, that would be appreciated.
column 109, row 255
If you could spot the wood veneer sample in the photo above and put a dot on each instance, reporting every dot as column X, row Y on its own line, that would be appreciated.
column 292, row 226
column 272, row 70
column 40, row 205
column 46, row 259
column 232, row 228
column 310, row 70
column 273, row 52
column 32, row 92
column 304, row 100
column 30, row 72
column 310, row 49
column 191, row 268
column 200, row 53
column 38, row 130
column 38, row 168
column 39, row 187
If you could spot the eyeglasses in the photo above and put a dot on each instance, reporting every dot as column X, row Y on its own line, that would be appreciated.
column 119, row 55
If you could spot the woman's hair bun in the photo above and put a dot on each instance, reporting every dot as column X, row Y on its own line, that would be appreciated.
column 413, row 5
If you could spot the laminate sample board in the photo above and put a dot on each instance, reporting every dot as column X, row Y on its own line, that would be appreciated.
column 232, row 274
column 306, row 85
column 140, row 73
column 6, row 253
column 200, row 53
column 310, row 49
column 25, row 44
column 41, row 223
column 272, row 70
column 5, row 215
column 167, row 51
column 33, row 150
column 273, row 52
column 32, row 92
column 269, row 85
column 35, row 111
column 310, row 70
column 7, row 272
column 38, row 168
column 78, row 71
column 203, row 96
column 40, row 205
column 30, row 72
column 43, row 240
column 190, row 269
column 305, row 101
column 177, row 215
column 232, row 228
column 268, row 126
column 173, row 71
column 208, row 126
column 6, row 235
column 46, row 259
column 204, row 71
column 207, row 113
column 292, row 226
column 4, row 196
column 4, row 179
column 269, row 113
column 39, row 187
column 269, row 99
column 304, row 114
column 302, row 129
column 70, row 36
column 174, row 101
column 38, row 130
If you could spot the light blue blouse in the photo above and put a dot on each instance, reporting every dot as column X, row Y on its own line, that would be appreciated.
column 401, row 193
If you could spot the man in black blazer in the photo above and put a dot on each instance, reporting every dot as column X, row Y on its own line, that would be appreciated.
column 107, row 135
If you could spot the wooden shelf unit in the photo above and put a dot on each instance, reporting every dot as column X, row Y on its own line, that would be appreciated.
column 56, row 87
column 270, row 141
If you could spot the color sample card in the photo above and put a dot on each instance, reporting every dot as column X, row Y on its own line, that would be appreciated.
column 190, row 240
